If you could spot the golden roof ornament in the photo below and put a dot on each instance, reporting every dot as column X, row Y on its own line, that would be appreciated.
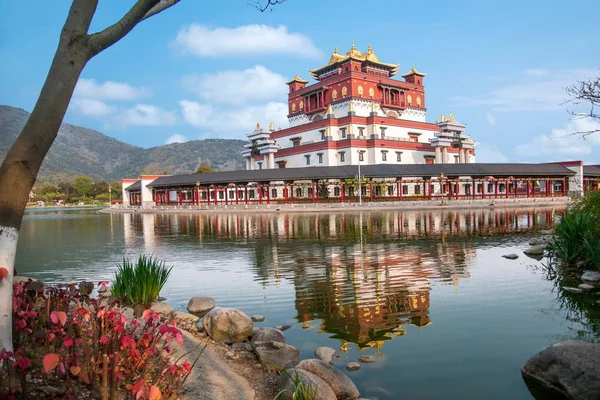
column 350, row 106
column 258, row 128
column 413, row 71
column 327, row 132
column 369, row 48
column 271, row 126
column 373, row 107
column 329, row 109
column 451, row 118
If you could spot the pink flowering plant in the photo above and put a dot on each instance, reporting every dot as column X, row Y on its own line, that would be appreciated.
column 75, row 341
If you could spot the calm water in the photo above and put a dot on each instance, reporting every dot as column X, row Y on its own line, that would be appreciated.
column 426, row 293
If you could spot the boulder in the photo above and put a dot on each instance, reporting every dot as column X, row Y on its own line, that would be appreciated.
column 353, row 366
column 258, row 318
column 586, row 287
column 570, row 367
column 161, row 308
column 366, row 359
column 199, row 305
column 266, row 335
column 313, row 383
column 227, row 325
column 240, row 346
column 511, row 256
column 283, row 327
column 276, row 355
column 572, row 289
column 591, row 276
column 185, row 320
column 537, row 250
column 342, row 386
column 325, row 353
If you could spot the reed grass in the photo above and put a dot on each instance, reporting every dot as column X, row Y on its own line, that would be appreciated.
column 140, row 282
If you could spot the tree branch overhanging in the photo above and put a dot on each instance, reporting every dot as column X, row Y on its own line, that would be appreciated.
column 263, row 6
column 585, row 93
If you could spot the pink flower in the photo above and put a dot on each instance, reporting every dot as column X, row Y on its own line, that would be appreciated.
column 105, row 339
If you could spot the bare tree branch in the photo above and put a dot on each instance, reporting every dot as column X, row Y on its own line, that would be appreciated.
column 109, row 36
column 160, row 7
column 263, row 6
column 585, row 93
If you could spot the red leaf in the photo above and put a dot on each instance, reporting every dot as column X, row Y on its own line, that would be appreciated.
column 154, row 393
column 68, row 342
column 3, row 273
column 136, row 388
column 50, row 362
column 75, row 370
column 59, row 316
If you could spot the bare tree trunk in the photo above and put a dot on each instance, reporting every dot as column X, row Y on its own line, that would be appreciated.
column 22, row 163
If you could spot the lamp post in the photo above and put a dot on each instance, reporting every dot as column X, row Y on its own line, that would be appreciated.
column 109, row 196
column 442, row 186
column 198, row 193
column 360, row 152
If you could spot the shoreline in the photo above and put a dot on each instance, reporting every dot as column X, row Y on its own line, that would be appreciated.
column 352, row 207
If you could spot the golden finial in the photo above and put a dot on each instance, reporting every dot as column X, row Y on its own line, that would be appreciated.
column 350, row 106
column 271, row 126
column 335, row 51
column 327, row 132
column 258, row 126
column 329, row 109
column 369, row 49
column 373, row 107
column 451, row 118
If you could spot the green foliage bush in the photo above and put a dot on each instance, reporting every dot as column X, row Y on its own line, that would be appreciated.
column 577, row 236
column 140, row 282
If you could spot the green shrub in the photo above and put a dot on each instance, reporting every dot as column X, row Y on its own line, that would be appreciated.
column 590, row 204
column 301, row 391
column 568, row 244
column 141, row 282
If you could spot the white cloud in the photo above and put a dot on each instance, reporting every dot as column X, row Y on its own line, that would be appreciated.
column 91, row 89
column 238, row 87
column 561, row 143
column 233, row 122
column 490, row 118
column 176, row 139
column 489, row 154
column 533, row 90
column 202, row 41
column 92, row 108
column 147, row 115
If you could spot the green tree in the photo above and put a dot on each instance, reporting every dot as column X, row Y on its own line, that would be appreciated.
column 83, row 186
column 45, row 189
column 204, row 169
column 116, row 190
column 100, row 188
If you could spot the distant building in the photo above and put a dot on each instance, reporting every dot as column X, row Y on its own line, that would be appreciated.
column 357, row 113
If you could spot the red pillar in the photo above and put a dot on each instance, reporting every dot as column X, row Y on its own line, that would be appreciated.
column 342, row 192
column 371, row 190
column 528, row 192
column 269, row 193
column 180, row 197
column 259, row 194
column 237, row 197
column 496, row 189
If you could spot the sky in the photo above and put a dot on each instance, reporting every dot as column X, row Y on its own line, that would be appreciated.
column 214, row 69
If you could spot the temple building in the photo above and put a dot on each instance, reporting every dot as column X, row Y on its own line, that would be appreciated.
column 355, row 113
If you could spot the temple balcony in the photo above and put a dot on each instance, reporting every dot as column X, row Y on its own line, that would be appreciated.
column 258, row 135
column 394, row 104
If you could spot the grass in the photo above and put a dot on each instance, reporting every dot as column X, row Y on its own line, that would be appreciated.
column 140, row 282
column 302, row 391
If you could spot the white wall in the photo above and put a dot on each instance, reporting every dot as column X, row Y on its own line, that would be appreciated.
column 125, row 185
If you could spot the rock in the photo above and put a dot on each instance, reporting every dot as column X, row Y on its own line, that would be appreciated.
column 266, row 335
column 161, row 308
column 211, row 378
column 276, row 355
column 325, row 353
column 591, row 276
column 511, row 256
column 537, row 250
column 540, row 240
column 341, row 385
column 353, row 366
column 366, row 359
column 241, row 347
column 185, row 320
column 586, row 287
column 199, row 305
column 283, row 327
column 572, row 289
column 230, row 354
column 570, row 367
column 314, row 384
column 258, row 318
column 227, row 325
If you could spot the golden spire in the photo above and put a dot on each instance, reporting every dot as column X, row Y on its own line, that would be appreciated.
column 335, row 51
column 373, row 107
column 327, row 132
column 329, row 109
column 271, row 126
column 258, row 126
column 350, row 106
column 369, row 49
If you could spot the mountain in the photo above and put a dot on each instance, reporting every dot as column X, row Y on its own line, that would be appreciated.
column 82, row 151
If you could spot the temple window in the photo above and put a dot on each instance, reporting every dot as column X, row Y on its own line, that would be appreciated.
column 307, row 159
column 322, row 134
column 361, row 156
column 390, row 190
column 456, row 159
column 336, row 191
column 221, row 196
column 342, row 156
column 259, row 165
column 251, row 194
column 361, row 131
column 417, row 189
column 399, row 156
column 490, row 188
column 404, row 189
column 343, row 131
column 382, row 129
column 241, row 194
column 383, row 155
column 298, row 192
column 274, row 193
column 320, row 155
column 479, row 188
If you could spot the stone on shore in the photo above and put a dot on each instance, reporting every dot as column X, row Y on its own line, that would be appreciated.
column 313, row 383
column 325, row 353
column 537, row 250
column 283, row 327
column 161, row 308
column 572, row 289
column 276, row 355
column 199, row 305
column 570, row 367
column 266, row 335
column 227, row 325
column 185, row 320
column 540, row 240
column 366, row 359
column 511, row 256
column 353, row 366
column 342, row 386
column 586, row 287
column 591, row 276
column 258, row 318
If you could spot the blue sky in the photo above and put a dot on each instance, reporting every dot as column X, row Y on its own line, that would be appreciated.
column 214, row 69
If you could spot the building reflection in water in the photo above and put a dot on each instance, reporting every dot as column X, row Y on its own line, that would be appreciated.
column 360, row 277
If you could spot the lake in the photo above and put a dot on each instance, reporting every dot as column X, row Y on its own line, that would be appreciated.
column 427, row 294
